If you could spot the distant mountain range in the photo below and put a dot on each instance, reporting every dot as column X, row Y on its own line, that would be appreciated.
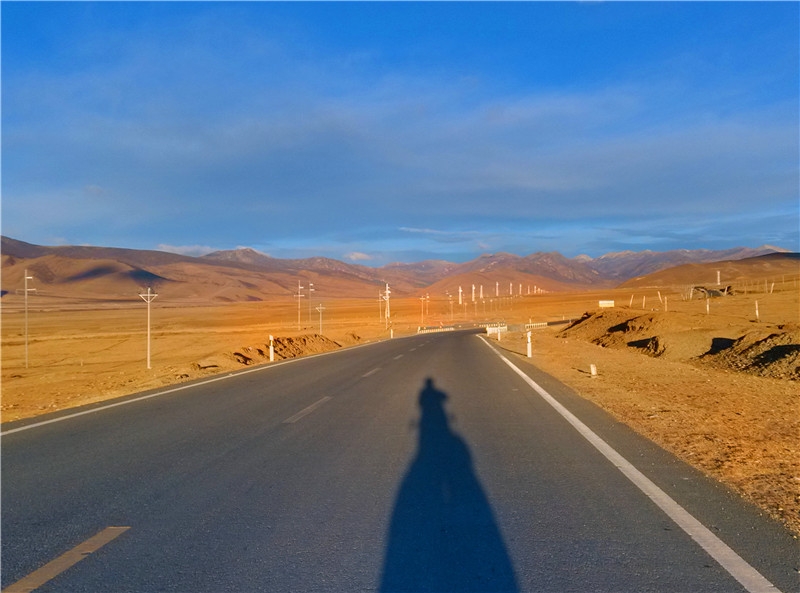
column 246, row 274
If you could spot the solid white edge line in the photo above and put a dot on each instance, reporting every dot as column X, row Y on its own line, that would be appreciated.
column 735, row 565
column 262, row 367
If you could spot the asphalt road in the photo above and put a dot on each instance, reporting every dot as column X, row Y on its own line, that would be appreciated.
column 417, row 464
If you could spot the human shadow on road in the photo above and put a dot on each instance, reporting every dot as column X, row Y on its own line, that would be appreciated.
column 443, row 535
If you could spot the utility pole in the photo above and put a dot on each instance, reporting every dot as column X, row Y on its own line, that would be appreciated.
column 27, row 290
column 299, row 296
column 148, row 298
column 386, row 298
column 310, row 290
column 320, row 309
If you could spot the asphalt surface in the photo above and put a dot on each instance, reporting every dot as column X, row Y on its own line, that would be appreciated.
column 416, row 464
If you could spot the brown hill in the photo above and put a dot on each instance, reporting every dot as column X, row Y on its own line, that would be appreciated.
column 624, row 265
column 552, row 266
column 105, row 273
column 773, row 265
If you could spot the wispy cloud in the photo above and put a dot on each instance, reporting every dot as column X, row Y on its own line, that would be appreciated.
column 191, row 250
column 218, row 130
column 358, row 256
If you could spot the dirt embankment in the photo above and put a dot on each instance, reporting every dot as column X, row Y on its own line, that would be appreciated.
column 765, row 350
column 283, row 348
column 721, row 393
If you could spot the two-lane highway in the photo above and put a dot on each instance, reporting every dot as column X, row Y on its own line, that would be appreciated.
column 416, row 464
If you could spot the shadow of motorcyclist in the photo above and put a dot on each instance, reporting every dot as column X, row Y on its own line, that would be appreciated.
column 443, row 535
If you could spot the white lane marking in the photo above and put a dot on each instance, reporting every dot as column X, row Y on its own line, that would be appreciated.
column 306, row 411
column 259, row 368
column 55, row 567
column 372, row 372
column 398, row 357
column 737, row 567
column 412, row 349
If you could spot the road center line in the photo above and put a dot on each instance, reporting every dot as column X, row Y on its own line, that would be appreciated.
column 398, row 357
column 372, row 372
column 55, row 567
column 306, row 411
column 737, row 567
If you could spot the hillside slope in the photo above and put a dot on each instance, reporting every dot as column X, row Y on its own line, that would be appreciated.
column 108, row 273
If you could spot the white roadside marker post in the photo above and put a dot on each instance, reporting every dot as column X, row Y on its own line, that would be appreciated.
column 529, row 345
column 271, row 349
column 593, row 370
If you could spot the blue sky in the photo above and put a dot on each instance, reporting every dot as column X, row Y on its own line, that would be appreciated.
column 381, row 132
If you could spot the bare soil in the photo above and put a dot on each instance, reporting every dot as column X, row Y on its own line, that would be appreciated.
column 719, row 389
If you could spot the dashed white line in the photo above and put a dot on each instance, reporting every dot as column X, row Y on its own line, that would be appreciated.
column 737, row 567
column 398, row 357
column 372, row 372
column 125, row 402
column 306, row 411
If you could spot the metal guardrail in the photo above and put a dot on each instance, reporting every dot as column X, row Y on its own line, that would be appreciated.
column 434, row 330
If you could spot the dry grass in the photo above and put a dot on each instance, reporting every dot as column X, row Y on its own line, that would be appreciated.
column 738, row 427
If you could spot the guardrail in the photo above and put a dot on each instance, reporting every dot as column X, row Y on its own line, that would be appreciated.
column 434, row 330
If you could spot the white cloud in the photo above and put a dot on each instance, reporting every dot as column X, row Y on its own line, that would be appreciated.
column 358, row 256
column 190, row 250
